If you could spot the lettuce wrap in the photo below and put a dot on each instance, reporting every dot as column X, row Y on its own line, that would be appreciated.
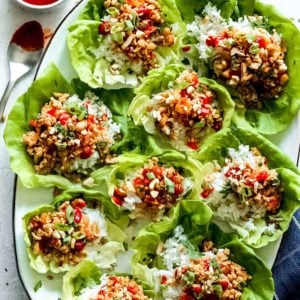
column 288, row 182
column 52, row 232
column 29, row 106
column 277, row 112
column 129, row 181
column 87, row 277
column 89, row 44
column 168, row 80
column 146, row 263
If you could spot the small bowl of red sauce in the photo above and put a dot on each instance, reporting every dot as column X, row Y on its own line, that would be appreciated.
column 39, row 4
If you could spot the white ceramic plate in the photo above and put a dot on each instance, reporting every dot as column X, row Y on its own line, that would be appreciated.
column 28, row 199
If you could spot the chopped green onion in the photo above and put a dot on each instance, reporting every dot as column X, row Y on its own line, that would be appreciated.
column 70, row 214
column 189, row 277
column 117, row 27
column 38, row 286
column 117, row 37
column 254, row 48
column 112, row 11
column 62, row 227
column 128, row 25
column 246, row 192
column 78, row 235
column 67, row 240
column 170, row 185
column 150, row 175
column 135, row 19
column 182, row 85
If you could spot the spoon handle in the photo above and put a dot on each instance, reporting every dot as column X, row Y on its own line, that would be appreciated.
column 4, row 99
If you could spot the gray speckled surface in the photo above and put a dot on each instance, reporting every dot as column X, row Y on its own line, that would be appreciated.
column 11, row 17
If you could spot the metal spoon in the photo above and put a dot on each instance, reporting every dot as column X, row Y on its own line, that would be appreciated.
column 23, row 53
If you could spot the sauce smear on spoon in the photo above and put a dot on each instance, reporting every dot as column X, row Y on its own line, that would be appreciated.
column 40, row 2
column 29, row 36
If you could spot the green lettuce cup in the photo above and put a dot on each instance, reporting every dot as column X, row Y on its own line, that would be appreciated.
column 265, row 89
column 86, row 281
column 74, row 227
column 47, row 129
column 146, row 187
column 114, row 44
column 167, row 250
column 250, row 185
column 179, row 108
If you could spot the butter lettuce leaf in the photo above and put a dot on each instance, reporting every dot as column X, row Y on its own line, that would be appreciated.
column 26, row 108
column 90, row 63
column 104, row 256
column 276, row 115
column 110, row 176
column 195, row 219
column 160, row 80
column 289, row 175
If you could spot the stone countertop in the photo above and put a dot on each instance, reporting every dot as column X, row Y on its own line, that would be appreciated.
column 12, row 17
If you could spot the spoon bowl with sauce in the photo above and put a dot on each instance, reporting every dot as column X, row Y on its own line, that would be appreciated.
column 39, row 5
column 24, row 51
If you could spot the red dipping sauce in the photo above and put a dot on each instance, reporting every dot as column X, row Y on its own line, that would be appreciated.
column 40, row 2
column 29, row 36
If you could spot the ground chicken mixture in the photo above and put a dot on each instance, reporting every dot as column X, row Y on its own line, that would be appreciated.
column 212, row 276
column 121, row 287
column 245, row 54
column 134, row 28
column 205, row 273
column 246, row 181
column 71, row 137
column 151, row 189
column 185, row 112
column 60, row 236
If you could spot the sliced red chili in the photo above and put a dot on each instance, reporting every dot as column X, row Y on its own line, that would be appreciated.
column 261, row 42
column 224, row 283
column 77, row 215
column 63, row 118
column 197, row 288
column 79, row 245
column 79, row 203
column 206, row 100
column 138, row 181
column 117, row 200
column 86, row 152
column 262, row 176
column 186, row 48
column 51, row 111
column 163, row 279
column 192, row 145
column 178, row 189
column 206, row 192
column 145, row 11
column 104, row 28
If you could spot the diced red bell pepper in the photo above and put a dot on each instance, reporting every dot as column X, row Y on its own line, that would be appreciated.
column 206, row 100
column 197, row 288
column 262, row 176
column 117, row 200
